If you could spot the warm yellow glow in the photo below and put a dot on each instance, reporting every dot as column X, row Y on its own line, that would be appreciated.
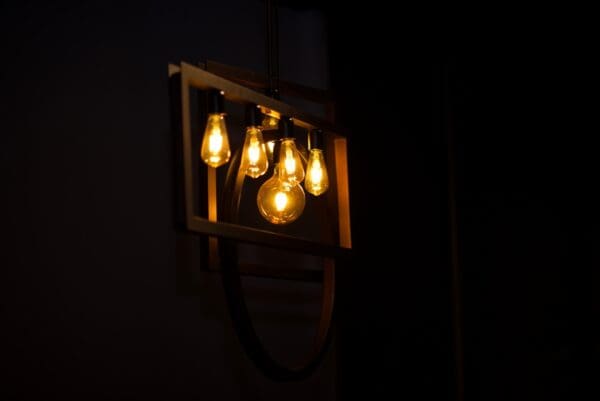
column 289, row 158
column 254, row 157
column 215, row 145
column 215, row 141
column 317, row 179
column 271, row 145
column 280, row 202
column 254, row 152
column 316, row 171
column 269, row 122
column 290, row 163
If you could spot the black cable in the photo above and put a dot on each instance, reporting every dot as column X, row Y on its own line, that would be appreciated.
column 272, row 47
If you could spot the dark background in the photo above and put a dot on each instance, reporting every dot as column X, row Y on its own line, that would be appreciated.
column 90, row 304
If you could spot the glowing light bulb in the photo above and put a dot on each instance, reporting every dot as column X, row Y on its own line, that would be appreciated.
column 280, row 202
column 290, row 162
column 254, row 156
column 317, row 180
column 215, row 145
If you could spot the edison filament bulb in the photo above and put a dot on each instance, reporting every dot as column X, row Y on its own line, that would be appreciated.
column 290, row 162
column 215, row 145
column 215, row 149
column 254, row 156
column 317, row 179
column 254, row 162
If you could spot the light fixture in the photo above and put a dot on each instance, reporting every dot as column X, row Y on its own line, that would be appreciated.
column 209, row 203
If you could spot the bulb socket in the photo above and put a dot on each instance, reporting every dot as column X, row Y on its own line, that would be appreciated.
column 215, row 102
column 286, row 127
column 253, row 115
column 315, row 139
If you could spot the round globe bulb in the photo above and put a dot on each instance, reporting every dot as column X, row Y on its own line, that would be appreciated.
column 280, row 202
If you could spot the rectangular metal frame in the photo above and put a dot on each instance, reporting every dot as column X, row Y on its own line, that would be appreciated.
column 195, row 77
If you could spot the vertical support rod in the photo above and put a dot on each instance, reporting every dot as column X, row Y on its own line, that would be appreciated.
column 272, row 47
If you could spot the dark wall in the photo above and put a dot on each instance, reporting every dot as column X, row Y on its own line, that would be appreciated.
column 90, row 303
column 395, row 300
column 524, row 286
column 496, row 92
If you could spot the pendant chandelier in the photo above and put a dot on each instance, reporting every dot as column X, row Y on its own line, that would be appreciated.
column 291, row 154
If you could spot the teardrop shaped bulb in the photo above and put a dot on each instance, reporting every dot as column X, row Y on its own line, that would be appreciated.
column 215, row 149
column 290, row 162
column 254, row 156
column 317, row 179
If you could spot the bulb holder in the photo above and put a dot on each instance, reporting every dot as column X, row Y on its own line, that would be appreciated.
column 286, row 127
column 253, row 115
column 315, row 139
column 215, row 101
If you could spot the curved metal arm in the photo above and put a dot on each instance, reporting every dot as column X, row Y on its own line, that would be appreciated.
column 237, row 304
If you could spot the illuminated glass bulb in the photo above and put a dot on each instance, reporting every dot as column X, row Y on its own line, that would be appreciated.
column 215, row 145
column 317, row 180
column 254, row 156
column 280, row 202
column 290, row 162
